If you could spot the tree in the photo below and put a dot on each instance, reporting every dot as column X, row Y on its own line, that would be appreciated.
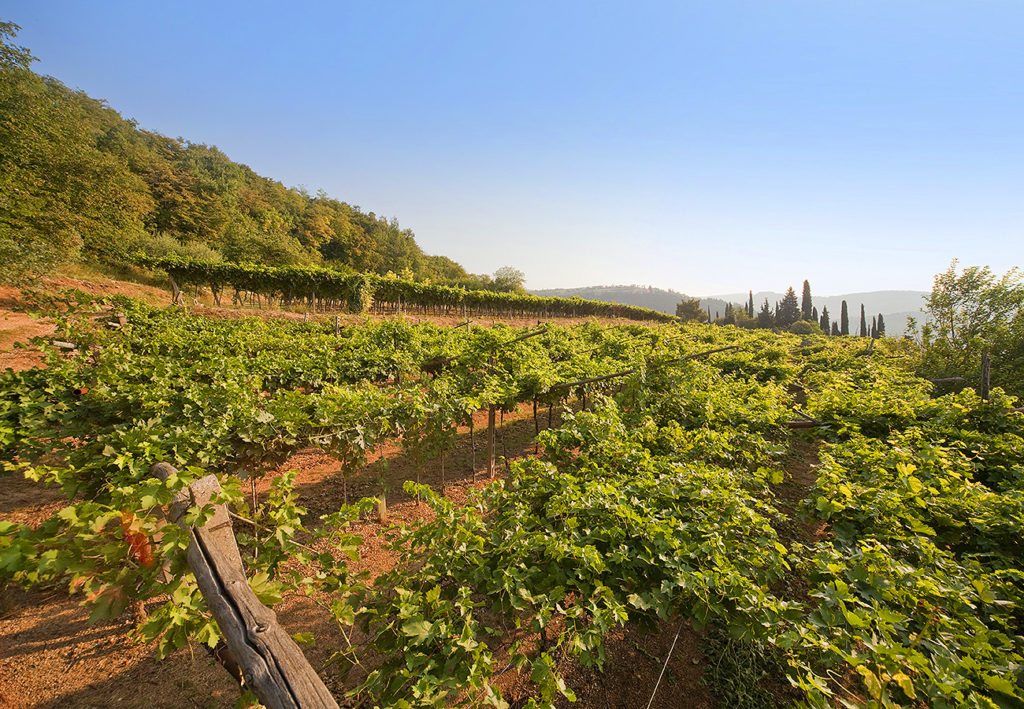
column 835, row 329
column 13, row 56
column 824, row 321
column 789, row 309
column 874, row 328
column 863, row 322
column 844, row 320
column 730, row 315
column 689, row 310
column 509, row 279
column 805, row 302
column 765, row 319
column 750, row 305
column 881, row 325
column 972, row 312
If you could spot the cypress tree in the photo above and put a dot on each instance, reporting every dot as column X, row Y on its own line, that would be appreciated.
column 750, row 305
column 805, row 303
column 881, row 325
column 835, row 329
column 824, row 321
column 863, row 322
column 874, row 328
column 814, row 314
column 844, row 320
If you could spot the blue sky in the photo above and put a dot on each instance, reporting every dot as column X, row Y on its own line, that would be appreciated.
column 709, row 147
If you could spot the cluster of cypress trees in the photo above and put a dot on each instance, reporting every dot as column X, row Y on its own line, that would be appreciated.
column 799, row 315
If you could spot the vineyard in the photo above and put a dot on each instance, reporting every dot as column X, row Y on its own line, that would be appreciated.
column 657, row 490
column 326, row 290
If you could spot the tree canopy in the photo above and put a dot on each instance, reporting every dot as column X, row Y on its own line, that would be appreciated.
column 971, row 312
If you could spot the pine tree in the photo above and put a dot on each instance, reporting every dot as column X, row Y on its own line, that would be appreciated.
column 863, row 322
column 881, row 325
column 844, row 320
column 805, row 302
column 824, row 321
column 789, row 310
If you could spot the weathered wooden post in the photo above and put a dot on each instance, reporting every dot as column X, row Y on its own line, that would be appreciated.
column 337, row 325
column 490, row 431
column 175, row 290
column 272, row 665
column 490, row 441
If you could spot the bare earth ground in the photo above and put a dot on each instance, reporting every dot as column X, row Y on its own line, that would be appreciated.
column 50, row 656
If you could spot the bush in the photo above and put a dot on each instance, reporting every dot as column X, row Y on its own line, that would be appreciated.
column 805, row 327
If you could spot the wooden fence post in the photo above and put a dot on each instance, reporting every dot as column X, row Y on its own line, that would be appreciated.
column 271, row 664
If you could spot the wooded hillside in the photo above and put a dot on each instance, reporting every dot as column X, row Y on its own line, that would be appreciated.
column 80, row 181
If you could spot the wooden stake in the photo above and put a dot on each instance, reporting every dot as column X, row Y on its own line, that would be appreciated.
column 490, row 441
column 536, row 428
column 472, row 446
column 504, row 452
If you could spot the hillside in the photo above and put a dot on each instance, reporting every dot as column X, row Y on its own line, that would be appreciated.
column 650, row 297
column 82, row 182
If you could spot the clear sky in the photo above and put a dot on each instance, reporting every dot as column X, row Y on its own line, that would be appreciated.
column 707, row 146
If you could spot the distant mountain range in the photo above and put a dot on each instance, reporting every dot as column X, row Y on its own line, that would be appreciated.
column 895, row 305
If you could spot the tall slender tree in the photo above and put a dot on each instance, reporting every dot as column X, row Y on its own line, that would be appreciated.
column 863, row 322
column 750, row 305
column 835, row 329
column 805, row 302
column 874, row 327
column 881, row 325
column 844, row 320
column 824, row 321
